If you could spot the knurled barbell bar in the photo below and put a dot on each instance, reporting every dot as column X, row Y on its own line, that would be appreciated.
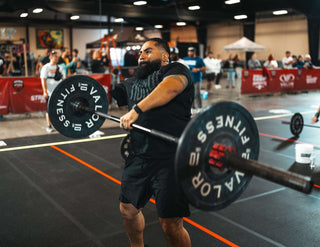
column 222, row 137
column 297, row 123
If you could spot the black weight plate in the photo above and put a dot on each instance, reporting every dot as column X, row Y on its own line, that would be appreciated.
column 207, row 187
column 296, row 124
column 63, row 116
column 125, row 148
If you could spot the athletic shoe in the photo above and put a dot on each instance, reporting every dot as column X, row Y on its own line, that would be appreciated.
column 217, row 86
column 49, row 129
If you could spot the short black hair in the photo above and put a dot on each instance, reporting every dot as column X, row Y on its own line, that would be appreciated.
column 161, row 43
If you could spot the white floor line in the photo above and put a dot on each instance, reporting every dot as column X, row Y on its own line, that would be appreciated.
column 62, row 143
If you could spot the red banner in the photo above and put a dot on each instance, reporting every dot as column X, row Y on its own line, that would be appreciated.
column 4, row 96
column 279, row 80
column 24, row 94
column 253, row 81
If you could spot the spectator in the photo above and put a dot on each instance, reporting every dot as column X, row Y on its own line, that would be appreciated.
column 43, row 60
column 287, row 61
column 300, row 62
column 213, row 70
column 230, row 66
column 174, row 56
column 77, row 64
column 64, row 60
column 51, row 75
column 96, row 64
column 196, row 66
column 271, row 63
column 3, row 66
column 253, row 62
column 308, row 63
column 105, row 60
column 295, row 60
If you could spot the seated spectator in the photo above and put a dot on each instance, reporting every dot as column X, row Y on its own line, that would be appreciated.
column 253, row 62
column 294, row 61
column 308, row 63
column 287, row 61
column 300, row 62
column 271, row 63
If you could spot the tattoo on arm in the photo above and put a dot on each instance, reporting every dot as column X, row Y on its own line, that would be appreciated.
column 180, row 78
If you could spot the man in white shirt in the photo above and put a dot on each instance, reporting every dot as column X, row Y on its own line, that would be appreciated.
column 51, row 75
column 287, row 61
column 213, row 69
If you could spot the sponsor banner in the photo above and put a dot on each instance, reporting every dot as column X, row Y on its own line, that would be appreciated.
column 279, row 80
column 24, row 94
column 253, row 81
column 4, row 96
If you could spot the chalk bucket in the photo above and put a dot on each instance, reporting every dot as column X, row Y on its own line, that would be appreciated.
column 303, row 153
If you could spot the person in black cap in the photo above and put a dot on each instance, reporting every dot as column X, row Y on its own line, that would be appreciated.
column 196, row 66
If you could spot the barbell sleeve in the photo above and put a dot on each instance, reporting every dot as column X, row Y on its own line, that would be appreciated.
column 289, row 179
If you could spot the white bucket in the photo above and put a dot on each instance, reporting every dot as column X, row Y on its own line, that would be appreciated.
column 303, row 153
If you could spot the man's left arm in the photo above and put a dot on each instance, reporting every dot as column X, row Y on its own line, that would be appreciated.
column 168, row 89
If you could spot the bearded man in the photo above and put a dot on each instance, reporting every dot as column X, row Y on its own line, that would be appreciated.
column 159, row 97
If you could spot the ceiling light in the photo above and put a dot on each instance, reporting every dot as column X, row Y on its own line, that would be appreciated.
column 232, row 1
column 280, row 12
column 74, row 17
column 158, row 26
column 24, row 14
column 140, row 3
column 37, row 10
column 240, row 17
column 181, row 23
column 139, row 28
column 194, row 7
column 118, row 20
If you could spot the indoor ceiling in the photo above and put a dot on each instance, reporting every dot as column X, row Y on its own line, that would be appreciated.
column 165, row 12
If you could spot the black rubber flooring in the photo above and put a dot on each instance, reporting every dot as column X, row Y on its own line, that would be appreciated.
column 59, row 193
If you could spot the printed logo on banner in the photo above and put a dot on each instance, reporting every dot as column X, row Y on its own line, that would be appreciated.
column 40, row 98
column 246, row 73
column 18, row 85
column 287, row 80
column 259, row 81
column 311, row 79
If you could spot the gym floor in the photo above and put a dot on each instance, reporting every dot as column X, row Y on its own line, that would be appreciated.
column 57, row 191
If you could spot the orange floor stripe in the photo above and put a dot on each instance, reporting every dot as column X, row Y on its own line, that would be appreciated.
column 87, row 165
column 151, row 200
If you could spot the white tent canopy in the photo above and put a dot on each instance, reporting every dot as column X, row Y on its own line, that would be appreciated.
column 244, row 44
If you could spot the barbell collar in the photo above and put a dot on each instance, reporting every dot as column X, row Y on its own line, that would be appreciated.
column 289, row 179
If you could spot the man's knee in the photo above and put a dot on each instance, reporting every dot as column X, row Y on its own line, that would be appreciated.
column 171, row 226
column 128, row 211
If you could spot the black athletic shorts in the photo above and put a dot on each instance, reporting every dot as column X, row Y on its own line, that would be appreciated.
column 142, row 179
column 210, row 76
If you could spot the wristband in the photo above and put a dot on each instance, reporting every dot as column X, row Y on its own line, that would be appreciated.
column 317, row 114
column 137, row 109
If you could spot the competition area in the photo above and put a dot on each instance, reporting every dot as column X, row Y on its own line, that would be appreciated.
column 58, row 191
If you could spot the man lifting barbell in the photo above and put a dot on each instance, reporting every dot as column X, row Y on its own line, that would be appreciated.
column 216, row 151
column 160, row 96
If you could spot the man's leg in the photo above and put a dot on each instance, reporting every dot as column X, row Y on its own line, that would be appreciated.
column 176, row 235
column 133, row 221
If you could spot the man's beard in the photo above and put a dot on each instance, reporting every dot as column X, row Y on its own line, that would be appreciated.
column 147, row 68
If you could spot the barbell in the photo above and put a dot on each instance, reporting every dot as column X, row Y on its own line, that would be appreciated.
column 297, row 123
column 216, row 153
